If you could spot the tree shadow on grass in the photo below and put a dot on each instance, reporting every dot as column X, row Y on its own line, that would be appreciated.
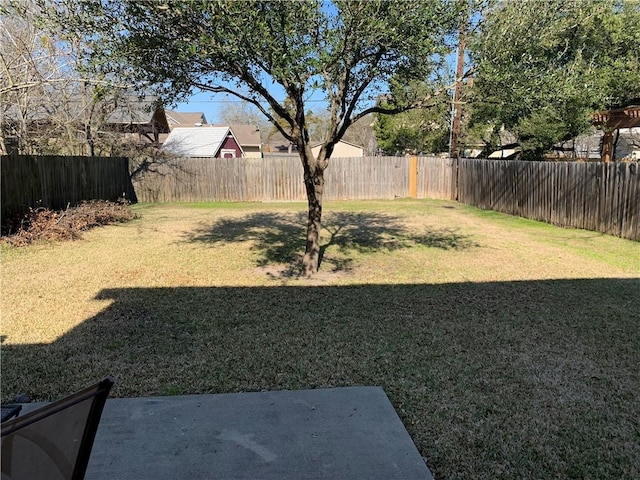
column 279, row 238
column 535, row 367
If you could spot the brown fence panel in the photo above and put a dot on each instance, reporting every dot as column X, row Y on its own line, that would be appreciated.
column 365, row 178
column 272, row 179
column 283, row 179
column 595, row 196
column 55, row 182
column 223, row 180
column 435, row 178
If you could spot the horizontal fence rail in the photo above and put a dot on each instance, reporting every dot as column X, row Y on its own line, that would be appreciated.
column 601, row 197
column 57, row 181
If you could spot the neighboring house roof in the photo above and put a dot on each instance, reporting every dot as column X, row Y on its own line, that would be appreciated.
column 504, row 154
column 133, row 110
column 341, row 149
column 589, row 145
column 203, row 141
column 185, row 119
column 38, row 112
column 121, row 109
column 122, row 114
column 281, row 147
column 280, row 154
column 508, row 151
column 317, row 144
column 472, row 152
column 247, row 135
column 276, row 144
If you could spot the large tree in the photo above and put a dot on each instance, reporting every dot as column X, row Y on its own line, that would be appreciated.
column 264, row 52
column 542, row 67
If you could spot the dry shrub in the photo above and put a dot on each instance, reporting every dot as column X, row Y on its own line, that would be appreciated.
column 44, row 224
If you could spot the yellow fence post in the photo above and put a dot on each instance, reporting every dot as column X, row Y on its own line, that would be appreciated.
column 413, row 177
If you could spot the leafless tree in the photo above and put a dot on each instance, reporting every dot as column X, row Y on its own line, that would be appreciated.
column 239, row 112
column 48, row 103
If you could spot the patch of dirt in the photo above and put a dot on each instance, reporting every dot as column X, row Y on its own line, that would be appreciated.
column 60, row 225
column 284, row 273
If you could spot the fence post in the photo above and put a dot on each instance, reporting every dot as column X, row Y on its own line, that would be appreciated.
column 413, row 177
column 455, row 178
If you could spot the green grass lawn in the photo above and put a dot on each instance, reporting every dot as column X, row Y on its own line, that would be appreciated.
column 509, row 348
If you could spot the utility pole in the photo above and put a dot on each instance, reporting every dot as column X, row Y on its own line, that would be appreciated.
column 457, row 92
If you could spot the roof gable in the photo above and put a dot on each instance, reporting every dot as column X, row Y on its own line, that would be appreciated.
column 246, row 135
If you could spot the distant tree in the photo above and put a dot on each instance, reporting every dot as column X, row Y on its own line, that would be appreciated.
column 542, row 67
column 416, row 131
column 242, row 112
column 347, row 49
column 361, row 133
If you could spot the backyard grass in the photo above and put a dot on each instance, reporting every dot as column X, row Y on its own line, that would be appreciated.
column 509, row 348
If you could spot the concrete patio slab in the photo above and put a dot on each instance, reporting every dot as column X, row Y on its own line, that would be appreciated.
column 343, row 433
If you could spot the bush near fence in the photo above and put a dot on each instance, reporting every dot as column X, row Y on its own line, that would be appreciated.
column 595, row 196
column 55, row 182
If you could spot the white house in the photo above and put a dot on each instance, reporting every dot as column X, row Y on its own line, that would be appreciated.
column 204, row 141
column 341, row 150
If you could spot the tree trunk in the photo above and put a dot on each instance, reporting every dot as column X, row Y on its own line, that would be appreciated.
column 89, row 139
column 314, row 184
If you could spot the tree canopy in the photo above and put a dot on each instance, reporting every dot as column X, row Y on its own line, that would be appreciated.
column 542, row 67
column 264, row 52
column 347, row 50
column 419, row 130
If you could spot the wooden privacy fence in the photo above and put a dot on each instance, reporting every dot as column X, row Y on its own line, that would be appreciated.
column 594, row 196
column 55, row 182
column 281, row 179
column 601, row 197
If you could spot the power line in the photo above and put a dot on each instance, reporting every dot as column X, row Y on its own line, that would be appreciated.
column 243, row 101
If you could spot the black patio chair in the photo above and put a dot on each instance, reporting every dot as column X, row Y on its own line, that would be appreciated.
column 54, row 441
column 9, row 411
